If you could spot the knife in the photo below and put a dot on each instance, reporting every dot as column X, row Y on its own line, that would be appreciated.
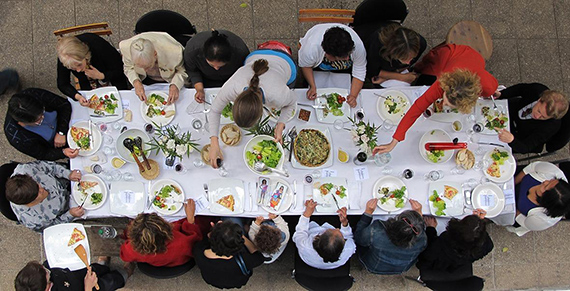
column 90, row 135
column 250, row 196
column 491, row 143
column 294, row 194
column 292, row 134
column 312, row 105
column 335, row 202
column 101, row 116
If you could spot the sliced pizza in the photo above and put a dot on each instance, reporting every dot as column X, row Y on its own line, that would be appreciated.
column 494, row 170
column 84, row 185
column 449, row 192
column 76, row 236
column 94, row 101
column 227, row 202
column 81, row 137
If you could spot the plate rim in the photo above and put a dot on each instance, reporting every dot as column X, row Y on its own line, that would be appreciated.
column 492, row 185
column 322, row 119
column 167, row 181
column 512, row 161
column 103, row 186
column 379, row 104
column 460, row 188
column 377, row 185
column 281, row 162
column 143, row 108
column 227, row 180
column 98, row 142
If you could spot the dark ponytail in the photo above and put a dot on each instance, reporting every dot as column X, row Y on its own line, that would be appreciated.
column 217, row 48
column 24, row 108
column 248, row 107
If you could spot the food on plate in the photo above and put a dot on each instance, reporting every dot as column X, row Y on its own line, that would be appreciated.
column 227, row 201
column 438, row 107
column 334, row 104
column 494, row 170
column 465, row 158
column 103, row 105
column 494, row 118
column 76, row 236
column 117, row 163
column 265, row 151
column 304, row 114
column 128, row 115
column 395, row 104
column 162, row 194
column 156, row 105
column 435, row 155
column 230, row 134
column 84, row 185
column 499, row 156
column 81, row 137
column 312, row 148
column 277, row 112
column 437, row 203
column 327, row 188
column 96, row 198
column 396, row 195
column 227, row 111
column 449, row 192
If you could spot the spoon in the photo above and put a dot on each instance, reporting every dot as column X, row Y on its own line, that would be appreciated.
column 262, row 167
column 138, row 143
column 129, row 144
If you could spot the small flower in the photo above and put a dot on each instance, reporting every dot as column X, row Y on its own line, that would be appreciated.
column 164, row 139
column 181, row 149
column 190, row 149
column 364, row 138
column 170, row 144
column 361, row 129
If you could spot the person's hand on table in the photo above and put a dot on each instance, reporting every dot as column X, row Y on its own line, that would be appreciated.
column 279, row 132
column 430, row 221
column 59, row 140
column 416, row 206
column 371, row 206
column 378, row 80
column 139, row 90
column 497, row 94
column 351, row 100
column 81, row 99
column 259, row 220
column 173, row 94
column 310, row 206
column 272, row 216
column 75, row 175
column 93, row 73
column 190, row 209
column 312, row 93
column 480, row 213
column 200, row 96
column 385, row 148
column 71, row 153
column 215, row 152
column 409, row 77
column 76, row 211
column 342, row 216
column 505, row 135
column 90, row 279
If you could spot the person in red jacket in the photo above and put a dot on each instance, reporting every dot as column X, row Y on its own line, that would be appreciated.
column 461, row 79
column 153, row 240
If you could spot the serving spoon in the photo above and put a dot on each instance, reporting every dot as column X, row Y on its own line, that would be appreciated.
column 262, row 167
column 130, row 144
column 138, row 142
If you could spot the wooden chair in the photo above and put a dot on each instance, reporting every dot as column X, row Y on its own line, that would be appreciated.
column 326, row 15
column 473, row 34
column 101, row 28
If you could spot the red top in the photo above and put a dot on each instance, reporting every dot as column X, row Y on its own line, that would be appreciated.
column 178, row 250
column 445, row 58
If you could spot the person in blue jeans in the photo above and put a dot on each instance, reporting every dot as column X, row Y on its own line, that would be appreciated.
column 391, row 246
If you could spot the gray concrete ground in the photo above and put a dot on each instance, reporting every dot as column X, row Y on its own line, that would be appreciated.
column 529, row 38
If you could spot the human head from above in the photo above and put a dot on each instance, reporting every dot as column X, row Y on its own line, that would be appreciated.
column 25, row 110
column 248, row 106
column 268, row 239
column 73, row 53
column 217, row 50
column 337, row 44
column 461, row 89
column 551, row 104
column 226, row 239
column 554, row 196
column 468, row 234
column 404, row 229
column 23, row 190
column 33, row 277
column 329, row 245
column 143, row 54
column 399, row 43
column 149, row 234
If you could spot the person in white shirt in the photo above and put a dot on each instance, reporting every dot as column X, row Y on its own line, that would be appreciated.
column 323, row 246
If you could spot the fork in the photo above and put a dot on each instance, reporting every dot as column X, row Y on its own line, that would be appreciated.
column 206, row 190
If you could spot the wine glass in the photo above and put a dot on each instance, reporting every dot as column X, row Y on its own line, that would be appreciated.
column 387, row 125
column 434, row 175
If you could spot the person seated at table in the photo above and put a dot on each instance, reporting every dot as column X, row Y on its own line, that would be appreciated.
column 39, row 194
column 534, row 116
column 92, row 60
column 227, row 258
column 323, row 246
column 155, row 241
column 333, row 47
column 36, row 124
column 542, row 198
column 154, row 57
column 391, row 246
column 463, row 242
column 35, row 276
column 461, row 79
column 270, row 236
column 261, row 82
column 211, row 58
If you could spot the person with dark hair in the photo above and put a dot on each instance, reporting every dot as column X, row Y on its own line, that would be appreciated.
column 391, row 246
column 153, row 240
column 39, row 194
column 535, row 114
column 36, row 124
column 226, row 258
column 542, row 198
column 270, row 236
column 261, row 82
column 92, row 60
column 37, row 277
column 211, row 58
column 333, row 47
column 323, row 246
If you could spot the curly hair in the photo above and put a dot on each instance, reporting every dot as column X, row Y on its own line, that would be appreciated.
column 248, row 107
column 328, row 246
column 268, row 239
column 462, row 89
column 337, row 42
column 226, row 239
column 21, row 189
column 399, row 43
column 31, row 278
column 556, row 103
column 150, row 233
column 556, row 201
column 467, row 235
column 400, row 232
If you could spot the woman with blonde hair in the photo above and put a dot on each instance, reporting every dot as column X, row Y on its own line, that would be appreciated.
column 92, row 60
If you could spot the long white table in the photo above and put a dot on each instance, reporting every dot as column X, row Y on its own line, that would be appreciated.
column 405, row 155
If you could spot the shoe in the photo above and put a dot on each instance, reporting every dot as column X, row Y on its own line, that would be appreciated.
column 130, row 268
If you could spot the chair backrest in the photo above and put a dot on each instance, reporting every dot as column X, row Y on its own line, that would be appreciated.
column 326, row 15
column 165, row 272
column 100, row 28
column 473, row 34
column 560, row 138
column 375, row 11
column 173, row 23
column 338, row 279
column 6, row 171
column 472, row 283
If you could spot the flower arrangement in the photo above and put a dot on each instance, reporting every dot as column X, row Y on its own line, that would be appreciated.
column 171, row 143
column 364, row 135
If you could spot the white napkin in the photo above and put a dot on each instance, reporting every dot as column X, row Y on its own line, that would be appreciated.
column 201, row 203
column 354, row 193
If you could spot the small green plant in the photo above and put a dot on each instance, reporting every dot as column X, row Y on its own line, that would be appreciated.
column 171, row 143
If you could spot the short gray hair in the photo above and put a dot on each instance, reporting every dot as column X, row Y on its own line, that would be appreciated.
column 71, row 51
column 142, row 51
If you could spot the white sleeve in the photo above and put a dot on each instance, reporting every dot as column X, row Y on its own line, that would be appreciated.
column 288, row 108
column 226, row 94
column 309, row 55
column 359, row 59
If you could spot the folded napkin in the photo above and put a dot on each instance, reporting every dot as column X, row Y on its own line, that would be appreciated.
column 354, row 193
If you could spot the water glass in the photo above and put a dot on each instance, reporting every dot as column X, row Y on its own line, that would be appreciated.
column 387, row 170
column 316, row 174
column 197, row 124
column 382, row 159
column 338, row 124
column 107, row 139
column 103, row 127
column 127, row 176
column 222, row 171
column 387, row 125
column 458, row 170
column 106, row 175
column 179, row 168
column 96, row 169
column 199, row 163
column 109, row 151
column 481, row 164
column 117, row 126
column 116, row 175
column 434, row 175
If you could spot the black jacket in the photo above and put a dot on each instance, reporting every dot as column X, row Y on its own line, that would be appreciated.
column 66, row 280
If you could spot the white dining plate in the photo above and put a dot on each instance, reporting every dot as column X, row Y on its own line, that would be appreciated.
column 58, row 253
column 507, row 169
column 104, row 116
column 480, row 117
column 211, row 95
column 490, row 198
column 127, row 198
column 295, row 164
column 435, row 135
column 546, row 171
column 131, row 133
column 220, row 188
column 448, row 115
column 161, row 120
column 392, row 183
column 101, row 187
column 277, row 113
column 174, row 202
column 96, row 138
column 249, row 148
column 398, row 98
column 321, row 100
column 286, row 200
column 453, row 207
column 326, row 203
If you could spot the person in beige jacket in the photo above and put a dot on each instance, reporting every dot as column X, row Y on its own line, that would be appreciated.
column 157, row 57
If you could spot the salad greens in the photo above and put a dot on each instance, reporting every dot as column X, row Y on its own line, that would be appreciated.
column 334, row 104
column 96, row 198
column 161, row 195
column 156, row 104
column 227, row 111
column 328, row 187
column 107, row 104
column 499, row 156
column 396, row 195
column 265, row 151
column 84, row 143
column 438, row 203
column 435, row 155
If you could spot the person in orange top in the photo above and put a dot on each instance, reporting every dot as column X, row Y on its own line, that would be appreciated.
column 153, row 240
column 461, row 79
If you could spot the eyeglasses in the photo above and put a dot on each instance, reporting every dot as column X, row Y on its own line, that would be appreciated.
column 414, row 229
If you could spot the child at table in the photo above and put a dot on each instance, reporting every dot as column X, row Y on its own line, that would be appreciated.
column 269, row 236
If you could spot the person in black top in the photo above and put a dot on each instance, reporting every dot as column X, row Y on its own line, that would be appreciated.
column 37, row 123
column 227, row 258
column 93, row 60
column 534, row 114
column 211, row 58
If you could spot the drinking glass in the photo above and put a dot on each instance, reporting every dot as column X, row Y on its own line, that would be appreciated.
column 408, row 174
column 107, row 139
column 458, row 170
column 434, row 175
column 199, row 163
column 338, row 124
column 149, row 128
column 387, row 125
column 127, row 176
column 109, row 151
column 116, row 175
column 179, row 168
column 382, row 159
column 387, row 170
column 359, row 114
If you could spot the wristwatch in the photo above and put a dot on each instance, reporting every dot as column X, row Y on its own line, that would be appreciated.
column 61, row 133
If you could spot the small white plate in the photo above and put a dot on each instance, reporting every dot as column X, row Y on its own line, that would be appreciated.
column 295, row 164
column 286, row 200
column 392, row 183
column 326, row 202
column 330, row 118
column 96, row 138
column 490, row 198
column 508, row 168
column 127, row 198
column 249, row 147
column 276, row 115
column 58, row 254
column 176, row 200
column 453, row 207
column 132, row 133
column 219, row 188
column 435, row 135
column 211, row 95
column 447, row 116
column 101, row 92
column 481, row 117
column 158, row 119
column 403, row 104
column 100, row 188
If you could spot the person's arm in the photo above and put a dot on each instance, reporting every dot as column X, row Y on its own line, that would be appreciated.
column 431, row 234
column 39, row 224
column 533, row 141
column 128, row 64
column 486, row 248
column 253, row 230
column 127, row 253
column 180, row 73
column 56, row 169
column 282, row 226
column 190, row 60
column 249, row 245
column 64, row 83
column 227, row 93
column 529, row 92
column 110, row 57
column 363, row 232
column 420, row 105
column 301, row 235
column 310, row 78
column 519, row 177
